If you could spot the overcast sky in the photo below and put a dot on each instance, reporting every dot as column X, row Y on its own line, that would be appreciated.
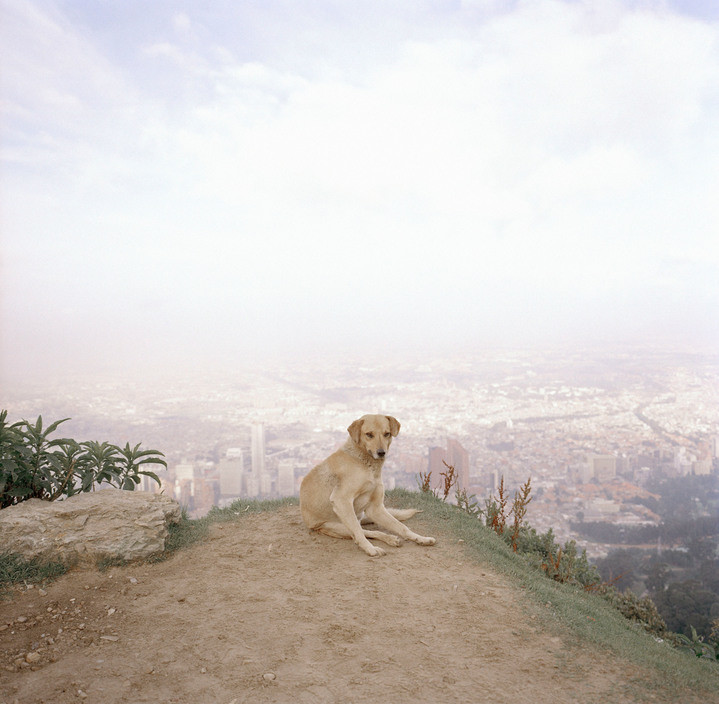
column 231, row 179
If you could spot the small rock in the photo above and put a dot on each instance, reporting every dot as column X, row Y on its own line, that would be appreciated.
column 32, row 657
column 42, row 592
column 81, row 694
column 269, row 677
column 203, row 670
column 111, row 638
column 21, row 619
column 110, row 612
column 133, row 580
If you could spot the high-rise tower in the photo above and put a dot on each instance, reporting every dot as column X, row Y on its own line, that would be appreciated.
column 258, row 450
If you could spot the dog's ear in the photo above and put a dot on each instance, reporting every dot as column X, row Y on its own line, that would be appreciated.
column 355, row 430
column 393, row 426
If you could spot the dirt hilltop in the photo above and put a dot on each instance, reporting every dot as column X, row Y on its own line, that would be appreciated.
column 264, row 611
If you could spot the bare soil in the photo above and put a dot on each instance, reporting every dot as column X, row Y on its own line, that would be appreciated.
column 264, row 611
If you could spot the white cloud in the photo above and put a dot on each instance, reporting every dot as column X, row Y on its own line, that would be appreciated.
column 554, row 151
column 182, row 23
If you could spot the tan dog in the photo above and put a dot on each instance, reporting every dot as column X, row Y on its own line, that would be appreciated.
column 336, row 493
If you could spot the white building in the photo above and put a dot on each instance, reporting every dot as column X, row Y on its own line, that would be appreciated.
column 230, row 471
column 258, row 449
column 252, row 485
column 184, row 471
column 286, row 478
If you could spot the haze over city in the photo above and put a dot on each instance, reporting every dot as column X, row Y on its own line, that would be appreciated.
column 189, row 184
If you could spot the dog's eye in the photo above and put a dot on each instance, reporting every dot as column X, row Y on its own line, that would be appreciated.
column 387, row 435
column 369, row 435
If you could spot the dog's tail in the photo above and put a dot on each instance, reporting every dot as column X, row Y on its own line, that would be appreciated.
column 402, row 514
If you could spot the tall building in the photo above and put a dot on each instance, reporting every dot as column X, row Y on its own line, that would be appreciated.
column 230, row 471
column 252, row 485
column 184, row 471
column 286, row 478
column 604, row 467
column 458, row 457
column 258, row 449
column 265, row 485
column 436, row 465
column 454, row 455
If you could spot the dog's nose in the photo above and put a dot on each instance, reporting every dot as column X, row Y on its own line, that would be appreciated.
column 381, row 453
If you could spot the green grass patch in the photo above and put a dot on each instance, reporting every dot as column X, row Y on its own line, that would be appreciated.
column 244, row 506
column 14, row 569
column 561, row 608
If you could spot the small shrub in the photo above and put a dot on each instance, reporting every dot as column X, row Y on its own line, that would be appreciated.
column 424, row 482
column 449, row 479
column 495, row 510
column 697, row 646
column 32, row 465
column 519, row 510
column 467, row 502
column 714, row 634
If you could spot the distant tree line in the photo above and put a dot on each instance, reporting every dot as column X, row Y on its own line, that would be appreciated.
column 682, row 577
column 669, row 532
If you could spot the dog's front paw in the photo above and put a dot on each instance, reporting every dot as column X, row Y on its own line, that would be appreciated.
column 422, row 540
column 374, row 551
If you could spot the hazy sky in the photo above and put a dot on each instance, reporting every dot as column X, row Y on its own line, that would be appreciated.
column 249, row 177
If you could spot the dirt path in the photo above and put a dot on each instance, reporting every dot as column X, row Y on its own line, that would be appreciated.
column 266, row 612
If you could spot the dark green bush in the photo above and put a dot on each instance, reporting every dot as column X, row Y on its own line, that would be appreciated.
column 34, row 466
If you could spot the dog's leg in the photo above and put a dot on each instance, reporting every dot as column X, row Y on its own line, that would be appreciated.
column 345, row 512
column 401, row 514
column 379, row 515
column 339, row 530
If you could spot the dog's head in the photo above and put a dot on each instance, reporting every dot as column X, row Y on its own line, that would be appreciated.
column 374, row 434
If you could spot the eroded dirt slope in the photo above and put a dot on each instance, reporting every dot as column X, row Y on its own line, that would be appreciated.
column 266, row 612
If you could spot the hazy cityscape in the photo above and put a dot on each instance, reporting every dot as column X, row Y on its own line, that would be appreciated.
column 591, row 429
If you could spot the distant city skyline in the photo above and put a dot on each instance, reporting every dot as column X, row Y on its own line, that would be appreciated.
column 594, row 431
column 225, row 183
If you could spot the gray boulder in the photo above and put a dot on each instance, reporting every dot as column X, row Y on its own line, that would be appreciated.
column 111, row 523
